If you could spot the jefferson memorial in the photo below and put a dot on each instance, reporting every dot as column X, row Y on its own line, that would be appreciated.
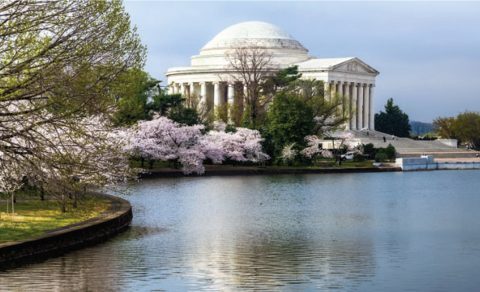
column 210, row 79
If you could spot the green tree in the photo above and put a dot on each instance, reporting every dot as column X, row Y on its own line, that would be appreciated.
column 445, row 127
column 393, row 121
column 289, row 120
column 132, row 90
column 59, row 63
column 173, row 107
column 467, row 128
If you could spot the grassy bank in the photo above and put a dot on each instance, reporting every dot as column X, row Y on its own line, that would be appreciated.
column 34, row 217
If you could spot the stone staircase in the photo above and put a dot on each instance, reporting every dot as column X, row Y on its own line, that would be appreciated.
column 407, row 147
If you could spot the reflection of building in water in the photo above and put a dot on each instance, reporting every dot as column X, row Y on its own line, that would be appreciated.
column 296, row 262
column 271, row 238
column 209, row 79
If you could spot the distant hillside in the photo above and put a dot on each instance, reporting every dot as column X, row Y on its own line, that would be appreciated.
column 420, row 128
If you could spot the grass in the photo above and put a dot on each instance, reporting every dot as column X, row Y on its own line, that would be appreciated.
column 359, row 164
column 33, row 217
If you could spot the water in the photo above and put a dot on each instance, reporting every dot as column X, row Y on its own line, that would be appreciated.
column 355, row 232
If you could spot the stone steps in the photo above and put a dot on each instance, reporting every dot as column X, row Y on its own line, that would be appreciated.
column 406, row 147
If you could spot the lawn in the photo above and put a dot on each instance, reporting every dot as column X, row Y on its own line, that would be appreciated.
column 34, row 217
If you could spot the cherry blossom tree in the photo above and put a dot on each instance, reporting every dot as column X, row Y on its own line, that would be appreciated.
column 165, row 140
column 242, row 145
column 314, row 148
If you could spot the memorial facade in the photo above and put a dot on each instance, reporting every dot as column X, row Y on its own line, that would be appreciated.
column 209, row 77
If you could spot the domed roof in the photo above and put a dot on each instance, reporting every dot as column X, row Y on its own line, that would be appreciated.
column 253, row 33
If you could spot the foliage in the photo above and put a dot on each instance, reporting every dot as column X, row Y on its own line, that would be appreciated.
column 393, row 121
column 369, row 150
column 314, row 148
column 357, row 157
column 173, row 107
column 166, row 140
column 445, row 127
column 384, row 154
column 289, row 153
column 381, row 157
column 289, row 120
column 132, row 90
column 465, row 127
column 59, row 63
column 252, row 66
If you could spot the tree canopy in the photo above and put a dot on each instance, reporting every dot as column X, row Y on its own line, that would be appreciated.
column 393, row 120
column 465, row 127
column 59, row 63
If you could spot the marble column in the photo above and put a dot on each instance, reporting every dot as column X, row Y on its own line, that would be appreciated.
column 372, row 114
column 341, row 107
column 333, row 90
column 231, row 100
column 366, row 111
column 191, row 89
column 360, row 106
column 348, row 105
column 182, row 89
column 217, row 100
column 354, row 106
column 203, row 95
column 326, row 91
column 170, row 88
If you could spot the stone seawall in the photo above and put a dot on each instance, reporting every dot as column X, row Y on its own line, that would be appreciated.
column 241, row 170
column 427, row 162
column 116, row 219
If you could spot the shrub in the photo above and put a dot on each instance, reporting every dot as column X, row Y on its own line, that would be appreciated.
column 381, row 156
column 369, row 150
column 390, row 152
column 358, row 157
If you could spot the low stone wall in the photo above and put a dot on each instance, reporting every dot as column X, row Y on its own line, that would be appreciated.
column 428, row 163
column 116, row 219
column 240, row 170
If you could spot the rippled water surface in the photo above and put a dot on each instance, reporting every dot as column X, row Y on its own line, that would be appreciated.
column 356, row 232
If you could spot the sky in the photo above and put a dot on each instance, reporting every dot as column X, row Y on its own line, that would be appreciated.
column 428, row 53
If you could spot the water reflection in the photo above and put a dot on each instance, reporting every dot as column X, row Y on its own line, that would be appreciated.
column 291, row 233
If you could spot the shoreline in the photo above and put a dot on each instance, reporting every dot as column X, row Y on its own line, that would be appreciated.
column 255, row 170
column 68, row 238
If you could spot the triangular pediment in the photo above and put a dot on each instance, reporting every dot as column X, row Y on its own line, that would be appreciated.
column 354, row 65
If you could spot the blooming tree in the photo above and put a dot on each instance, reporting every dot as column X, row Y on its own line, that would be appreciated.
column 242, row 145
column 314, row 148
column 166, row 140
column 289, row 153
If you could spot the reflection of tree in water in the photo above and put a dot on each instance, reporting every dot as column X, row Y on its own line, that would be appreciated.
column 295, row 261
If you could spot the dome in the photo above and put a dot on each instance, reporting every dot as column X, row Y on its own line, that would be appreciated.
column 253, row 33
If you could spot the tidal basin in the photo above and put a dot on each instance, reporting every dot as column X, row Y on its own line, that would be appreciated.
column 356, row 232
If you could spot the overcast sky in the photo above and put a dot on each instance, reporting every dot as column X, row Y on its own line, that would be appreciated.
column 428, row 53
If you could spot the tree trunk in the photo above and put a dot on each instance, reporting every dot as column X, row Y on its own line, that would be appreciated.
column 75, row 200
column 42, row 194
column 13, row 203
column 64, row 207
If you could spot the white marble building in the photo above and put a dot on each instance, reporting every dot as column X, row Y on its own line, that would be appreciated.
column 208, row 76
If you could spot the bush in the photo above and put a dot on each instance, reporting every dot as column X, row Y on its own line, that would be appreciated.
column 390, row 152
column 369, row 150
column 381, row 157
column 358, row 157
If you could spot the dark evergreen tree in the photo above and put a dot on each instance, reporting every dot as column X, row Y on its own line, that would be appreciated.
column 393, row 121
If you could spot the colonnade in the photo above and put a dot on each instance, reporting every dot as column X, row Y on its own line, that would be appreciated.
column 357, row 102
column 212, row 95
column 357, row 98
